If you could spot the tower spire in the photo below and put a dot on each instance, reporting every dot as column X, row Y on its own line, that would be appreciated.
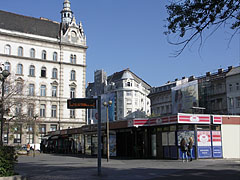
column 66, row 13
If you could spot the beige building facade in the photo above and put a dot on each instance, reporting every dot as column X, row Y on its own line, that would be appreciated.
column 49, row 58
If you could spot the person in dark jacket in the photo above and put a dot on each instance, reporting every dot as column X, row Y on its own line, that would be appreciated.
column 184, row 149
column 190, row 148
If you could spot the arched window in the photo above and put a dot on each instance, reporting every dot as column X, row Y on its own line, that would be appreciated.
column 7, row 49
column 44, row 54
column 43, row 72
column 20, row 51
column 20, row 69
column 54, row 73
column 73, row 75
column 32, row 70
column 7, row 66
column 55, row 56
column 32, row 53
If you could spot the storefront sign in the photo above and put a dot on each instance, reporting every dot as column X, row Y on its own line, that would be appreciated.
column 217, row 152
column 217, row 119
column 217, row 144
column 204, row 152
column 204, row 138
column 216, row 138
column 193, row 118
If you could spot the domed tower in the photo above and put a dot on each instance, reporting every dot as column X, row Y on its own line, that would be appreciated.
column 66, row 13
column 71, row 32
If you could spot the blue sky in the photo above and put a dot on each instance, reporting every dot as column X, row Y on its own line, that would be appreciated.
column 129, row 34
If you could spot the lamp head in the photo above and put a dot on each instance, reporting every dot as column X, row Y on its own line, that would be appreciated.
column 5, row 73
column 105, row 103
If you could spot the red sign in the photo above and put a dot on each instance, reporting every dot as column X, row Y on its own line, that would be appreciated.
column 193, row 118
column 217, row 119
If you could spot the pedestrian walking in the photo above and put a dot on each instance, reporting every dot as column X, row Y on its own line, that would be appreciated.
column 28, row 148
column 190, row 148
column 184, row 149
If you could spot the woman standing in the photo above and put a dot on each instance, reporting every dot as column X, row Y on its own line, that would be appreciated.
column 190, row 148
column 184, row 149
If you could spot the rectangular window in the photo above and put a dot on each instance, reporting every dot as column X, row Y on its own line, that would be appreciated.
column 237, row 86
column 72, row 92
column 43, row 90
column 72, row 113
column 42, row 110
column 31, row 89
column 17, row 138
column 54, row 91
column 231, row 102
column 30, row 110
column 18, row 109
column 129, row 101
column 29, row 138
column 128, row 93
column 53, row 127
column 238, row 102
column 54, row 111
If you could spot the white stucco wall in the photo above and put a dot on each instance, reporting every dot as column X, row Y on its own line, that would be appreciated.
column 231, row 140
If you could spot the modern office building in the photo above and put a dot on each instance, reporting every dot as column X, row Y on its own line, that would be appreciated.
column 47, row 60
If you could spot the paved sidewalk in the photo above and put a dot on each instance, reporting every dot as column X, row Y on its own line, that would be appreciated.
column 57, row 167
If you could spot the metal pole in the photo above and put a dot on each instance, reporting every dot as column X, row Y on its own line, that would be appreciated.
column 2, row 111
column 107, row 136
column 99, row 136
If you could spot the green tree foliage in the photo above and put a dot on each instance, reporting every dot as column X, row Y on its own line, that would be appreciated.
column 189, row 18
column 8, row 159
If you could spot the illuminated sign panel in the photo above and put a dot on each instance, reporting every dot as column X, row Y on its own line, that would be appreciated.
column 77, row 103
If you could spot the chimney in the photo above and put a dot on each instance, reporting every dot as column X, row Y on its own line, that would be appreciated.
column 220, row 71
column 208, row 73
column 191, row 78
column 230, row 68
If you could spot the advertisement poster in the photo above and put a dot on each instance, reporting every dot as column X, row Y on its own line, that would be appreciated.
column 112, row 145
column 217, row 144
column 184, row 97
column 186, row 135
column 204, row 138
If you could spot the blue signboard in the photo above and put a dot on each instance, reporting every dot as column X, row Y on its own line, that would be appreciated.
column 217, row 152
column 204, row 152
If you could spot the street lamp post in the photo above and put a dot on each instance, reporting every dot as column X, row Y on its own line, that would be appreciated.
column 3, row 76
column 34, row 131
column 107, row 104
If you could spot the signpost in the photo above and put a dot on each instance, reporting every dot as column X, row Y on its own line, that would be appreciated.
column 89, row 103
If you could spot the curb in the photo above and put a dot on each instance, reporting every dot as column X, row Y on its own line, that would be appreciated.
column 17, row 177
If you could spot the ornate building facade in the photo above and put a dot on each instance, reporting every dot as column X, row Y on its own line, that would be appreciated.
column 49, row 58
